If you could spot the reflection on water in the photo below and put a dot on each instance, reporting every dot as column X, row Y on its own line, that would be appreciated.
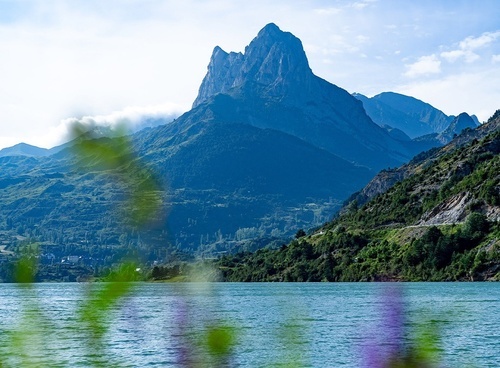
column 316, row 325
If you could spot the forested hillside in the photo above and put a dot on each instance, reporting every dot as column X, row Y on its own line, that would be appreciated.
column 440, row 223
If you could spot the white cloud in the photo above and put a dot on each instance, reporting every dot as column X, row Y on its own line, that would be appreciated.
column 467, row 47
column 471, row 86
column 131, row 118
column 359, row 5
column 452, row 56
column 458, row 93
column 362, row 38
column 424, row 66
column 328, row 11
column 472, row 43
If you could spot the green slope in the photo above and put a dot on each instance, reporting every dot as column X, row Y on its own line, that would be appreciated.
column 440, row 223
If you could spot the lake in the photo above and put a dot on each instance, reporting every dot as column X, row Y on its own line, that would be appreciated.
column 279, row 324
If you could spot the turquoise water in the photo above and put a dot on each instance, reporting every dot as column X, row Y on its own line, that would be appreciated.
column 311, row 325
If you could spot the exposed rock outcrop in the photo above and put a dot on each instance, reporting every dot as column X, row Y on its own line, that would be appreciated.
column 460, row 123
column 385, row 179
column 222, row 72
column 448, row 212
column 274, row 59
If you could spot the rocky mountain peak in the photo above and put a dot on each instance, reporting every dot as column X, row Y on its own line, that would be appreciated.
column 274, row 60
column 222, row 71
column 459, row 123
column 463, row 121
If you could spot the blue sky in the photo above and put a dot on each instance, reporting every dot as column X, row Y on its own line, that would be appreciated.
column 110, row 60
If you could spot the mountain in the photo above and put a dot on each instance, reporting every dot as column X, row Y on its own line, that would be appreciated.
column 228, row 167
column 268, row 148
column 460, row 123
column 414, row 117
column 23, row 149
column 439, row 223
column 385, row 179
column 27, row 150
column 272, row 86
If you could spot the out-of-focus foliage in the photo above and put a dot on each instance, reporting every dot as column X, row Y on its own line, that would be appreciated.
column 144, row 192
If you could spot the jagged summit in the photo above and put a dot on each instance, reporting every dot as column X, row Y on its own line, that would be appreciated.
column 461, row 122
column 271, row 30
column 274, row 60
column 221, row 74
column 271, row 86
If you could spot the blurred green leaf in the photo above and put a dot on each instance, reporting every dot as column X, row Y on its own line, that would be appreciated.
column 220, row 340
column 25, row 269
column 115, row 154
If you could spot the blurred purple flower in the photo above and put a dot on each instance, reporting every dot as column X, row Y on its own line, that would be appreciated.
column 385, row 345
column 183, row 346
column 389, row 345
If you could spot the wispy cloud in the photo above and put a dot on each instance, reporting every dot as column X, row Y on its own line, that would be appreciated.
column 332, row 10
column 467, row 47
column 424, row 66
column 453, row 93
column 131, row 118
column 362, row 4
column 452, row 56
column 472, row 43
column 327, row 11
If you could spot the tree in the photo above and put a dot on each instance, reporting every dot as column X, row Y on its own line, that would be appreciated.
column 300, row 234
column 476, row 225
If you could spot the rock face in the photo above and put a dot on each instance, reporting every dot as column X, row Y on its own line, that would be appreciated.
column 461, row 122
column 386, row 179
column 274, row 59
column 221, row 74
column 449, row 212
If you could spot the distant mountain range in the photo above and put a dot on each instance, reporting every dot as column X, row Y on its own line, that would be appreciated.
column 413, row 117
column 267, row 148
column 23, row 149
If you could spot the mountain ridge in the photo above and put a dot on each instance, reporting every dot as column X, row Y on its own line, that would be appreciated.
column 414, row 117
column 439, row 223
column 387, row 178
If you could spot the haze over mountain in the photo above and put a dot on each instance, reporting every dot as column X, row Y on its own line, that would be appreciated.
column 408, row 114
column 23, row 149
